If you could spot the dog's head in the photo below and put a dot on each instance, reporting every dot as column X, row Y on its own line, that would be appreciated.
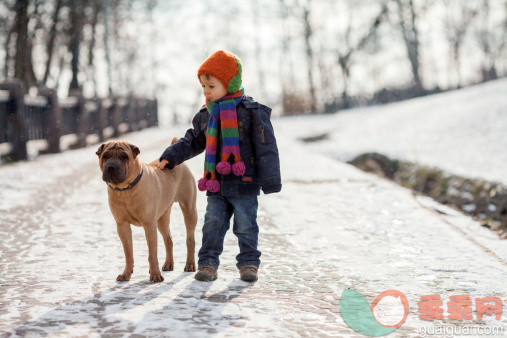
column 117, row 160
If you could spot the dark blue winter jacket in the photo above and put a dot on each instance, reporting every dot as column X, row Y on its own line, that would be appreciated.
column 257, row 145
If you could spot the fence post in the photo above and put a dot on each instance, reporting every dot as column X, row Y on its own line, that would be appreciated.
column 53, row 130
column 15, row 118
column 82, row 120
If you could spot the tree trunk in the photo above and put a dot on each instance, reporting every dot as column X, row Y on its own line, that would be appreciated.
column 77, row 19
column 21, row 67
column 408, row 25
column 51, row 41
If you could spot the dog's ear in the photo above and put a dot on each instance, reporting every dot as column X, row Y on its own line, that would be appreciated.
column 100, row 150
column 135, row 150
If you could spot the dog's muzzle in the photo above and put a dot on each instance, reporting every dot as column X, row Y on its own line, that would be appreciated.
column 113, row 172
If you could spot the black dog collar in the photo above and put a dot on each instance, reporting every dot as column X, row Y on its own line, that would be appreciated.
column 131, row 185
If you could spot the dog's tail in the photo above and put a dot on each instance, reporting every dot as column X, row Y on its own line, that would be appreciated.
column 175, row 139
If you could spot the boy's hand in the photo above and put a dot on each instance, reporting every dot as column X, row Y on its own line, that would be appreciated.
column 162, row 164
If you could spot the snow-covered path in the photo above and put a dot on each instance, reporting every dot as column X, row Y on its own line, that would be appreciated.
column 332, row 227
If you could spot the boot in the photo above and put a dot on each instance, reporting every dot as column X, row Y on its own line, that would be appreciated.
column 248, row 273
column 206, row 273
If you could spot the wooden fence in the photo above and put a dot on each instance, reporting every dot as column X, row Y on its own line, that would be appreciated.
column 43, row 117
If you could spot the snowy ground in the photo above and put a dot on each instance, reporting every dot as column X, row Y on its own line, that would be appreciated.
column 463, row 132
column 332, row 227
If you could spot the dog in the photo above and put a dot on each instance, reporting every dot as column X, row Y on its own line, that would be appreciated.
column 142, row 195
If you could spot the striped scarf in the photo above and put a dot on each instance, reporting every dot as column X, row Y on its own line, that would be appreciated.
column 222, row 111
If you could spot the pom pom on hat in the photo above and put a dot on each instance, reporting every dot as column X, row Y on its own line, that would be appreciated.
column 224, row 66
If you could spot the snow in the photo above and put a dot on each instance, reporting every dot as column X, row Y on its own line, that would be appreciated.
column 332, row 227
column 463, row 132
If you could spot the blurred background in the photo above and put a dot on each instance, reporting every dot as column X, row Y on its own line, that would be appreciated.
column 299, row 56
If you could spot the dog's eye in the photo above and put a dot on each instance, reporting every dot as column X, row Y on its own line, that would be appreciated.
column 124, row 156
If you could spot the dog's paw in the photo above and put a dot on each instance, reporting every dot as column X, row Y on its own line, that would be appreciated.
column 156, row 277
column 168, row 266
column 190, row 267
column 123, row 277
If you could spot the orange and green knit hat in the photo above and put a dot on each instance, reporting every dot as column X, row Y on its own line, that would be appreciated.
column 224, row 66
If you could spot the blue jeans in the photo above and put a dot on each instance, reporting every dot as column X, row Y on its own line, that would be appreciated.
column 216, row 223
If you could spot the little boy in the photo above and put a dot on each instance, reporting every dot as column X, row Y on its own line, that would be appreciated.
column 241, row 158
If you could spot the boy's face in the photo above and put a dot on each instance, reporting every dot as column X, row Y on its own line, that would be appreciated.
column 212, row 88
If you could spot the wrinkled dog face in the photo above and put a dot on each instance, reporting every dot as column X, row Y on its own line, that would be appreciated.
column 116, row 160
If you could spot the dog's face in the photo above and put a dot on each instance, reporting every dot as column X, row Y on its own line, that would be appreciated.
column 117, row 160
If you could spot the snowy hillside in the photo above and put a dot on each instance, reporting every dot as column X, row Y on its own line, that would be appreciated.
column 463, row 132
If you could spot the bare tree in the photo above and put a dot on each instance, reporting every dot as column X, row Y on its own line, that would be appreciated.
column 77, row 20
column 491, row 40
column 68, row 32
column 458, row 20
column 23, row 56
column 408, row 24
column 52, row 35
column 345, row 57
